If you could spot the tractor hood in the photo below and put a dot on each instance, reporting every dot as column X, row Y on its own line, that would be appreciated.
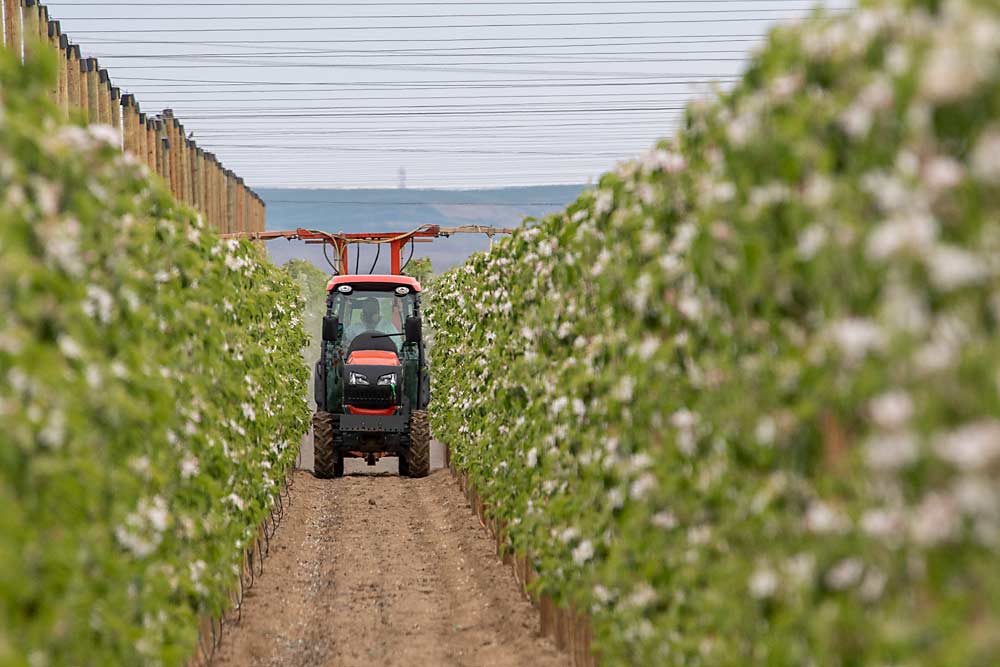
column 372, row 380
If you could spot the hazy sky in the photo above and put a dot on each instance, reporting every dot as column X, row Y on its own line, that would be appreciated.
column 307, row 93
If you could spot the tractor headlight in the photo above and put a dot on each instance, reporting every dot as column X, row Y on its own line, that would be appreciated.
column 358, row 378
column 387, row 379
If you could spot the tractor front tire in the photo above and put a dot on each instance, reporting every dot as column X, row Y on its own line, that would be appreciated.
column 327, row 461
column 418, row 454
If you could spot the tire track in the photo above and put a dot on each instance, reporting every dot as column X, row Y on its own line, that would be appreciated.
column 381, row 570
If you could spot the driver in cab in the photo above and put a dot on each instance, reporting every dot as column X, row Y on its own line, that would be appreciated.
column 371, row 321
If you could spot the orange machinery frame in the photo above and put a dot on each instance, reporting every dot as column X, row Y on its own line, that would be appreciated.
column 397, row 241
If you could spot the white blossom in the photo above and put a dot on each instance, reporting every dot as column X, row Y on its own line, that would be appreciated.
column 856, row 336
column 891, row 451
column 821, row 519
column 892, row 409
column 972, row 446
column 845, row 574
column 881, row 523
column 532, row 457
column 583, row 552
column 952, row 267
column 664, row 519
column 913, row 232
column 763, row 583
column 641, row 487
column 934, row 520
column 986, row 156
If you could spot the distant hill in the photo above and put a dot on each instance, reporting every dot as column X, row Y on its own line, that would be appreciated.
column 391, row 210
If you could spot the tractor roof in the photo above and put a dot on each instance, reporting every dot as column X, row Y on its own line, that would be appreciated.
column 389, row 281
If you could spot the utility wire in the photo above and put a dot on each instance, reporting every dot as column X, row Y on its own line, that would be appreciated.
column 356, row 202
column 557, row 38
column 170, row 89
column 464, row 3
column 435, row 26
column 502, row 112
column 412, row 54
column 421, row 98
column 431, row 50
column 444, row 151
column 423, row 66
column 367, row 17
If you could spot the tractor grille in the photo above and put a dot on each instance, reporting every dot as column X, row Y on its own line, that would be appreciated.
column 369, row 397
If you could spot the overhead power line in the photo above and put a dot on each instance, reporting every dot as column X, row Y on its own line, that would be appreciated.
column 387, row 114
column 367, row 17
column 450, row 26
column 477, row 40
column 461, row 3
column 660, row 79
column 412, row 53
column 412, row 203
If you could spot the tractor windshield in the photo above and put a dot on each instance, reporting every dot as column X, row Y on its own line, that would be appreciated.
column 364, row 311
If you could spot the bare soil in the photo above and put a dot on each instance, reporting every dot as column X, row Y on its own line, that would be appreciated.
column 374, row 569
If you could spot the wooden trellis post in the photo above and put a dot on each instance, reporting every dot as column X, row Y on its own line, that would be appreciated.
column 219, row 184
column 130, row 125
column 49, row 34
column 241, row 217
column 231, row 217
column 62, row 82
column 73, row 77
column 103, row 97
column 84, row 87
column 13, row 35
column 142, row 138
column 93, row 91
column 165, row 157
column 210, row 191
column 29, row 27
column 198, row 190
column 152, row 159
column 116, row 109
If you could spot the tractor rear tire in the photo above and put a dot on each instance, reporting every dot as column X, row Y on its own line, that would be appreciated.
column 418, row 454
column 327, row 461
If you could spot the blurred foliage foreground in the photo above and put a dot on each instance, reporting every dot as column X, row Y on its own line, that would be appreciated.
column 150, row 397
column 741, row 401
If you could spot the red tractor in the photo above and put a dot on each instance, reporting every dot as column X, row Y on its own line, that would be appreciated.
column 372, row 386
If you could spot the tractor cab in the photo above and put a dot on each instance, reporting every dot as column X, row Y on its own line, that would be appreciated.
column 372, row 386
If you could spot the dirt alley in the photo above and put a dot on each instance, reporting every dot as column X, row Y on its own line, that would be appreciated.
column 372, row 569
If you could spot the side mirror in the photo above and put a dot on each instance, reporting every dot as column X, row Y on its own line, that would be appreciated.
column 414, row 329
column 331, row 329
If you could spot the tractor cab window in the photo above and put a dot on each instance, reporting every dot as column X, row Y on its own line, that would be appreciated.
column 368, row 311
